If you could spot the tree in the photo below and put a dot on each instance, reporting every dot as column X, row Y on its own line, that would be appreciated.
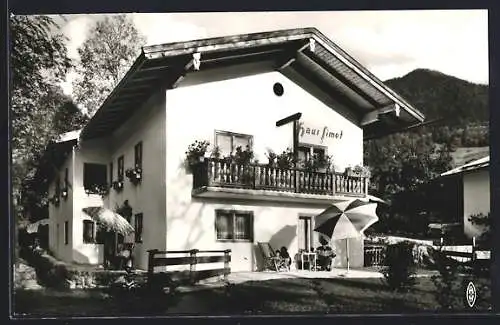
column 39, row 62
column 105, row 57
column 401, row 164
column 485, row 222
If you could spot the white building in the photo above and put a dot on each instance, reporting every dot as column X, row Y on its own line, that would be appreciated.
column 474, row 196
column 230, row 91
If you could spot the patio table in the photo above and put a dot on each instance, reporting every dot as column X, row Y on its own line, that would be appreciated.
column 309, row 255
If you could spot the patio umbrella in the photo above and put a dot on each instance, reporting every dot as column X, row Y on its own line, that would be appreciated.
column 109, row 219
column 346, row 219
column 33, row 227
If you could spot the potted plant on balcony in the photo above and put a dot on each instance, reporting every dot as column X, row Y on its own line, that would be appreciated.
column 243, row 159
column 317, row 163
column 100, row 189
column 272, row 158
column 357, row 171
column 195, row 154
column 215, row 153
column 134, row 175
column 286, row 160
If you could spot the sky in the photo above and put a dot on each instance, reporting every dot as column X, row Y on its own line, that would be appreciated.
column 389, row 43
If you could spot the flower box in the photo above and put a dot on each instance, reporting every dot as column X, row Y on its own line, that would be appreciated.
column 101, row 190
column 64, row 193
column 134, row 175
column 357, row 171
column 117, row 186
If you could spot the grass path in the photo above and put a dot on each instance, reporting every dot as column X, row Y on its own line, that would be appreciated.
column 278, row 296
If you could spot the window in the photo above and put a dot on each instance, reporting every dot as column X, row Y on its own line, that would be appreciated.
column 88, row 231
column 138, row 227
column 66, row 232
column 138, row 155
column 120, row 168
column 94, row 177
column 305, row 153
column 228, row 141
column 110, row 173
column 234, row 225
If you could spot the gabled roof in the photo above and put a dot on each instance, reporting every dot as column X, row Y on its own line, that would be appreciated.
column 53, row 157
column 304, row 51
column 473, row 165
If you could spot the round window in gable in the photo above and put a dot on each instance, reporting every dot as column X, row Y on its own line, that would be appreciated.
column 278, row 89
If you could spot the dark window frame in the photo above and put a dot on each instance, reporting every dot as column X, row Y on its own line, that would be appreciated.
column 111, row 170
column 138, row 155
column 66, row 232
column 234, row 213
column 88, row 185
column 249, row 137
column 121, row 168
column 139, row 227
column 92, row 239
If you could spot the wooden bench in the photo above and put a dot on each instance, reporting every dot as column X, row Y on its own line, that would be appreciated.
column 473, row 260
column 159, row 258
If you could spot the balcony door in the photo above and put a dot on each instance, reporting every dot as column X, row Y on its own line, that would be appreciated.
column 305, row 233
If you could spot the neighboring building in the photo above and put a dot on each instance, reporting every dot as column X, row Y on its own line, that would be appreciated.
column 473, row 181
column 230, row 91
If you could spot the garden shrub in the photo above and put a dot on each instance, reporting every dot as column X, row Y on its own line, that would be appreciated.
column 49, row 271
column 399, row 271
column 450, row 283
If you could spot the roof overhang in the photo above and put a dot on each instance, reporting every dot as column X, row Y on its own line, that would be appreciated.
column 306, row 51
column 52, row 159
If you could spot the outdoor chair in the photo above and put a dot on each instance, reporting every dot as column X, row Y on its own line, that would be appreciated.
column 271, row 260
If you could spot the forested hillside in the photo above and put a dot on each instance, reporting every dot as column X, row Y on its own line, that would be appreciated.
column 403, row 163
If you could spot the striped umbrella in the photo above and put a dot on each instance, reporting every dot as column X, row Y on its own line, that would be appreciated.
column 109, row 219
column 346, row 219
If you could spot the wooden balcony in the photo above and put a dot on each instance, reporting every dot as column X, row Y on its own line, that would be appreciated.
column 217, row 175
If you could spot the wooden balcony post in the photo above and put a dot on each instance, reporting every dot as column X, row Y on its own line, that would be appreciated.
column 254, row 175
column 151, row 265
column 334, row 181
column 207, row 168
column 192, row 264
column 367, row 183
column 227, row 259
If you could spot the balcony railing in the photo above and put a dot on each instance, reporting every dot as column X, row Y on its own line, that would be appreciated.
column 221, row 173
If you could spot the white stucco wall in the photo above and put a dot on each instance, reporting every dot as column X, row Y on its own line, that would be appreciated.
column 64, row 212
column 476, row 199
column 148, row 197
column 245, row 105
column 97, row 152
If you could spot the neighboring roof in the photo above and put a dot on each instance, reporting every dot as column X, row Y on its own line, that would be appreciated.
column 325, row 64
column 465, row 155
column 53, row 157
column 68, row 136
column 473, row 165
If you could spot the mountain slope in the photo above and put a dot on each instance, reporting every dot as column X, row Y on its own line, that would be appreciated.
column 438, row 95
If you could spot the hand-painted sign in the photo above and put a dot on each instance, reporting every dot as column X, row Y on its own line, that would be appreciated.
column 313, row 135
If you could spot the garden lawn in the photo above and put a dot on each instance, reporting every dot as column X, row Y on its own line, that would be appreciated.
column 283, row 296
